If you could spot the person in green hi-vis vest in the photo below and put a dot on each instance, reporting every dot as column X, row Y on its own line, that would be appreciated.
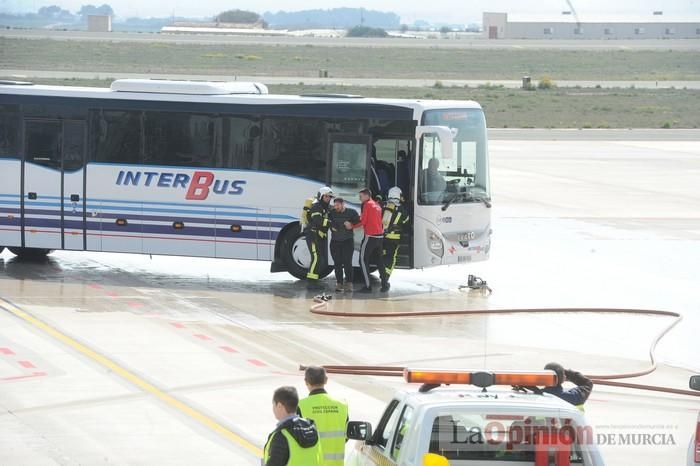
column 329, row 414
column 295, row 440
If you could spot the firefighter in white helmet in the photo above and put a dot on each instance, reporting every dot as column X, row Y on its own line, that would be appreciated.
column 317, row 235
column 394, row 218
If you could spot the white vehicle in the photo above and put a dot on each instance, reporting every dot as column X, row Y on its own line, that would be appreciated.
column 694, row 446
column 439, row 426
column 222, row 169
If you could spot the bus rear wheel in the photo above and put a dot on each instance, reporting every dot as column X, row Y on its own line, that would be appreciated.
column 30, row 253
column 296, row 255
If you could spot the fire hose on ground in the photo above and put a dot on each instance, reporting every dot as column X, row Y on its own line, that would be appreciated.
column 320, row 307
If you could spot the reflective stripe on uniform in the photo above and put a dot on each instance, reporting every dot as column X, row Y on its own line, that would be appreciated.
column 330, row 416
column 314, row 261
column 392, row 264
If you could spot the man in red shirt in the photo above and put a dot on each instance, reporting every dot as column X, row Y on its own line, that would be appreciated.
column 372, row 244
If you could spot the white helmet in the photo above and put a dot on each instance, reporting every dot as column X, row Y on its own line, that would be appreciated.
column 394, row 193
column 324, row 191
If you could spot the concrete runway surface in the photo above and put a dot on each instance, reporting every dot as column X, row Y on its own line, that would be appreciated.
column 127, row 359
column 28, row 75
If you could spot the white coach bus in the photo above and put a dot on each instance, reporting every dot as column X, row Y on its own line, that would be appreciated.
column 221, row 170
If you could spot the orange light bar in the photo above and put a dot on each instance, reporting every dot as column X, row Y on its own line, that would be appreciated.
column 480, row 378
column 437, row 376
column 526, row 379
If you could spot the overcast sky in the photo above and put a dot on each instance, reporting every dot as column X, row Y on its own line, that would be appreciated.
column 456, row 11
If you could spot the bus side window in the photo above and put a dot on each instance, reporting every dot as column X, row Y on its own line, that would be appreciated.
column 181, row 139
column 118, row 136
column 241, row 144
column 9, row 131
column 294, row 146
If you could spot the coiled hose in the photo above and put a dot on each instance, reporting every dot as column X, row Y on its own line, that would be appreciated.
column 320, row 307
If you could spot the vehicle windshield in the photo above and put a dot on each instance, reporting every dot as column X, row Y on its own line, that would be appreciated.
column 471, row 438
column 463, row 177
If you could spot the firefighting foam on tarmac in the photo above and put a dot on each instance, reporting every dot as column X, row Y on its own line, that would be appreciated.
column 138, row 359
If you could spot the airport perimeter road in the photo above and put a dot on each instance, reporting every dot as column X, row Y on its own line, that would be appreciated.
column 514, row 134
column 128, row 359
column 476, row 42
column 372, row 82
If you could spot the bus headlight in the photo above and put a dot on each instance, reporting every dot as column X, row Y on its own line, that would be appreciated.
column 435, row 244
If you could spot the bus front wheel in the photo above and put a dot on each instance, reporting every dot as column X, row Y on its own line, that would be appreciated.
column 30, row 253
column 297, row 256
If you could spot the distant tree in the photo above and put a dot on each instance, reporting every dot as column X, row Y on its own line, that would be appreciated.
column 364, row 31
column 237, row 16
column 444, row 30
column 404, row 28
column 86, row 10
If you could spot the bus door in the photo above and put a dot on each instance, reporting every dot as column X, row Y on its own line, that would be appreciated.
column 349, row 170
column 394, row 167
column 394, row 156
column 53, row 184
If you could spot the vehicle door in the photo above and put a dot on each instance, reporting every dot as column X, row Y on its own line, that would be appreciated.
column 52, row 188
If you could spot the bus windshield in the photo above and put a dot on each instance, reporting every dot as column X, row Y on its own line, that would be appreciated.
column 464, row 177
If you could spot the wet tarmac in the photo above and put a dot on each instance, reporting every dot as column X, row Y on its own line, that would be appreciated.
column 128, row 359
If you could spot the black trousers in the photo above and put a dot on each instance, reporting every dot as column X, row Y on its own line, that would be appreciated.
column 341, row 251
column 372, row 250
column 318, row 247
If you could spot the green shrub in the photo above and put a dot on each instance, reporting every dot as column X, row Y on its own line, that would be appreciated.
column 546, row 83
column 365, row 31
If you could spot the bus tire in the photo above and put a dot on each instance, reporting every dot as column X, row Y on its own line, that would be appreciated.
column 296, row 255
column 30, row 253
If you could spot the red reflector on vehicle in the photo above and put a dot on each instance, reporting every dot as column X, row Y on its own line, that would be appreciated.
column 697, row 441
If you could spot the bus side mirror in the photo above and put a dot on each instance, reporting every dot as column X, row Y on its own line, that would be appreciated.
column 359, row 430
column 695, row 382
column 431, row 459
column 445, row 135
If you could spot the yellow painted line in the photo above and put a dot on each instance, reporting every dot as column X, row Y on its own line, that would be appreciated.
column 133, row 378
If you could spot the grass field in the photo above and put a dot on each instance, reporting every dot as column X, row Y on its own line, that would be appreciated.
column 359, row 62
column 511, row 108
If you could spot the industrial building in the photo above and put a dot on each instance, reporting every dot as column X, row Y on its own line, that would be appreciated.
column 99, row 23
column 571, row 26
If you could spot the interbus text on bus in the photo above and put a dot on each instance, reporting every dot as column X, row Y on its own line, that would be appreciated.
column 198, row 185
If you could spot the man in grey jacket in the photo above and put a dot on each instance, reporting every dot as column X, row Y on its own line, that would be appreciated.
column 342, row 243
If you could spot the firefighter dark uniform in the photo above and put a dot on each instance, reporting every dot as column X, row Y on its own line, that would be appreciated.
column 331, row 418
column 394, row 218
column 317, row 238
